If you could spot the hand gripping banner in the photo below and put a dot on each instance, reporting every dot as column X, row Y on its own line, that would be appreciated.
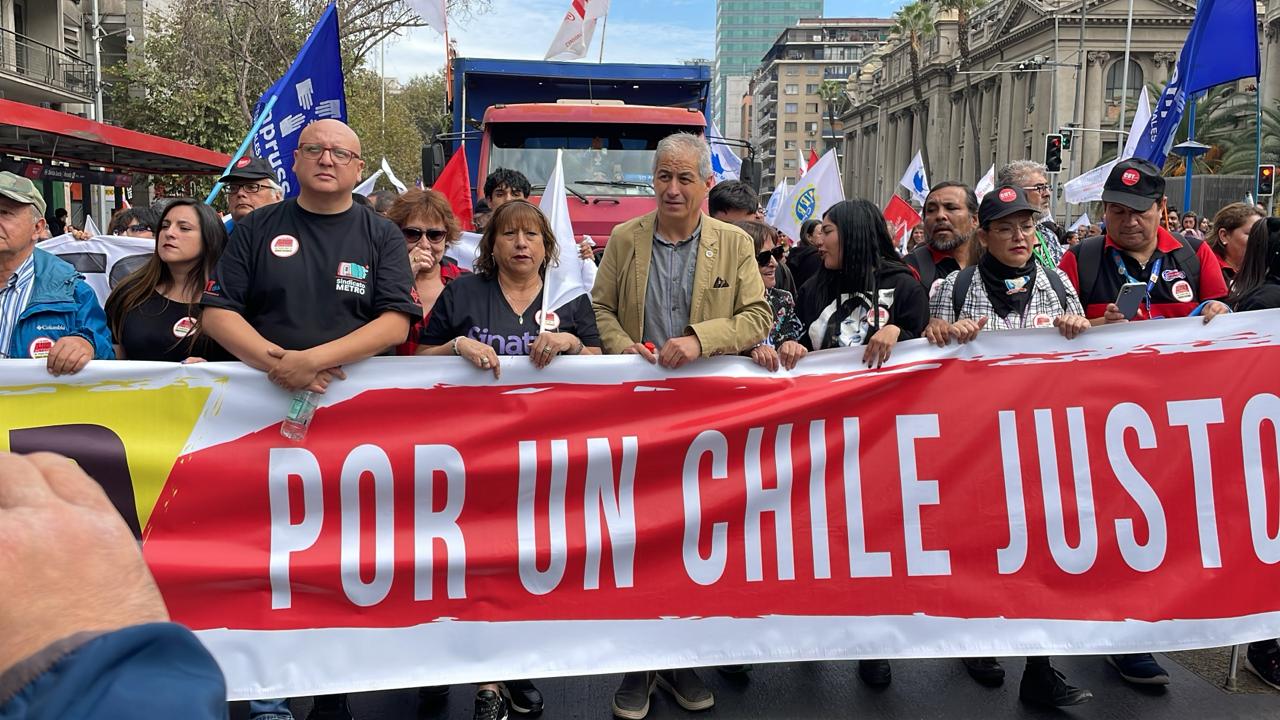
column 1023, row 494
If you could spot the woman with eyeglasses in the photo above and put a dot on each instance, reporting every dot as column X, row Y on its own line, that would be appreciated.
column 154, row 313
column 780, row 348
column 429, row 228
column 139, row 222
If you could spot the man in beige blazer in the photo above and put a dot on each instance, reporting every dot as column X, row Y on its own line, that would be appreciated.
column 676, row 278
column 674, row 286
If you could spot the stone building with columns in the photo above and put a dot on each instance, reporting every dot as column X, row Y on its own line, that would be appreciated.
column 1031, row 72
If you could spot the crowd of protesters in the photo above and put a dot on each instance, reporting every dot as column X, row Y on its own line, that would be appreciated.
column 674, row 286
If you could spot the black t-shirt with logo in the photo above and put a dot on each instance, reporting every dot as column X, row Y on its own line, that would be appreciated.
column 473, row 306
column 302, row 279
column 159, row 329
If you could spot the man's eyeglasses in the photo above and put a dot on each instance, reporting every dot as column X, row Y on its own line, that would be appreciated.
column 435, row 236
column 139, row 228
column 1041, row 188
column 341, row 156
column 776, row 253
column 250, row 188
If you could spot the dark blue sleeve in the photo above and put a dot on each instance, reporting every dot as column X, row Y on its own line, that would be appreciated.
column 145, row 671
column 584, row 321
column 91, row 322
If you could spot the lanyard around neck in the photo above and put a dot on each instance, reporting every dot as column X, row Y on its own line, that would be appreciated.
column 1151, row 281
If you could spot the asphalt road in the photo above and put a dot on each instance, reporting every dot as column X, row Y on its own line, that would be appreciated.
column 921, row 689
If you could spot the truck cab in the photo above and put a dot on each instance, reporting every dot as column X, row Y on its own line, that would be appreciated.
column 608, row 154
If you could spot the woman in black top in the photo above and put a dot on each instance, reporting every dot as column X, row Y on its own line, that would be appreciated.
column 1257, row 285
column 859, row 264
column 496, row 310
column 154, row 313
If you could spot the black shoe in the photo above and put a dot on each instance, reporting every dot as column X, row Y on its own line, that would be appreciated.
column 875, row 673
column 330, row 707
column 522, row 696
column 1139, row 668
column 1043, row 685
column 687, row 689
column 986, row 670
column 631, row 699
column 490, row 706
column 734, row 670
column 1263, row 660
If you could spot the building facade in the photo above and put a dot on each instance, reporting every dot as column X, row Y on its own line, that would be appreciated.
column 790, row 116
column 1031, row 72
column 745, row 30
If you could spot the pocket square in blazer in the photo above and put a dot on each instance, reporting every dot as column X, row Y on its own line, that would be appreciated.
column 719, row 283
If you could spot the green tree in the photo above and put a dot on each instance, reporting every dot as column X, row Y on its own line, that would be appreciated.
column 832, row 94
column 395, row 136
column 915, row 23
column 964, row 10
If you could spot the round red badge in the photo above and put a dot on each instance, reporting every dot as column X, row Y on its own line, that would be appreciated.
column 882, row 314
column 242, row 161
column 183, row 327
column 1008, row 195
column 1182, row 291
column 284, row 246
column 548, row 323
column 1130, row 177
column 1042, row 321
column 39, row 348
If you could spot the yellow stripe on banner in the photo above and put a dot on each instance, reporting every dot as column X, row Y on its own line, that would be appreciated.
column 150, row 427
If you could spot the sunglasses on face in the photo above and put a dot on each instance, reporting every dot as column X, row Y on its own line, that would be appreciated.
column 139, row 228
column 434, row 235
column 762, row 258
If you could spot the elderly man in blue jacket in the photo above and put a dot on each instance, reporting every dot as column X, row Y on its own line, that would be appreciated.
column 47, row 311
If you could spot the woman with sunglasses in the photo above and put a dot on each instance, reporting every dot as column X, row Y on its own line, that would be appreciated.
column 780, row 348
column 429, row 228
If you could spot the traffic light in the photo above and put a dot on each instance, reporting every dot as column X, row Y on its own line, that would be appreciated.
column 1053, row 152
column 1066, row 138
column 1266, row 180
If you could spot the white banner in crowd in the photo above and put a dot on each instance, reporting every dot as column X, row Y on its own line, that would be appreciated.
column 986, row 184
column 391, row 177
column 813, row 194
column 366, row 187
column 104, row 260
column 1087, row 187
column 465, row 251
column 916, row 180
column 1082, row 221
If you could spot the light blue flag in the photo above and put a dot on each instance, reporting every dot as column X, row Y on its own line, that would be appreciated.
column 311, row 90
column 1221, row 46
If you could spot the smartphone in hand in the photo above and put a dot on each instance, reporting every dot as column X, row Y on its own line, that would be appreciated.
column 1130, row 297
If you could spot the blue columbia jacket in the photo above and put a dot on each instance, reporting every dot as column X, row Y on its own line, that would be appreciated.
column 61, row 304
column 158, row 670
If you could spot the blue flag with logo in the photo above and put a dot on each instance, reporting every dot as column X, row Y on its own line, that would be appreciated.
column 1221, row 46
column 311, row 90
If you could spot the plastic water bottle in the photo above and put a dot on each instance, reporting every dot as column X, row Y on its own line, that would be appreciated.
column 301, row 410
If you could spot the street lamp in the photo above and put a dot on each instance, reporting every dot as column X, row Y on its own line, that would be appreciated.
column 1189, row 151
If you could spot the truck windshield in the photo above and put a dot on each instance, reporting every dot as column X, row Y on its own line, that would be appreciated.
column 599, row 158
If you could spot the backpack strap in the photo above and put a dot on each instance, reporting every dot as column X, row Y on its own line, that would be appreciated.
column 1088, row 265
column 960, row 290
column 928, row 270
column 1188, row 259
column 1059, row 288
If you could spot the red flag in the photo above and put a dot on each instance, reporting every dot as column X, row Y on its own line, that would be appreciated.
column 901, row 219
column 455, row 184
column 813, row 159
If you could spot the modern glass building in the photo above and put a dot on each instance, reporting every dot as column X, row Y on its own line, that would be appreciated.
column 745, row 30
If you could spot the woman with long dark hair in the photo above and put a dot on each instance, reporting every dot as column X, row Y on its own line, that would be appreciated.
column 864, row 294
column 154, row 313
column 1257, row 284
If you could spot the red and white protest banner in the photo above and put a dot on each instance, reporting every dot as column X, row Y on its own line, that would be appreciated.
column 1023, row 494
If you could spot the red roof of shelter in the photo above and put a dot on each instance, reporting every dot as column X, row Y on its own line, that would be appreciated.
column 32, row 131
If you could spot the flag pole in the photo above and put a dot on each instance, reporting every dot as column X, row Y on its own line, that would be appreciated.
column 603, row 30
column 1258, row 136
column 1190, row 159
column 244, row 146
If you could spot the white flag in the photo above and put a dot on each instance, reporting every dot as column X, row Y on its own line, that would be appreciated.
column 1082, row 221
column 391, row 177
column 90, row 227
column 802, row 163
column 775, row 201
column 103, row 260
column 915, row 180
column 579, row 25
column 986, row 184
column 1088, row 186
column 432, row 13
column 366, row 188
column 564, row 280
column 465, row 251
column 818, row 190
column 725, row 164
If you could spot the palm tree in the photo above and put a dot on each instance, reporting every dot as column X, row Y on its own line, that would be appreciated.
column 964, row 10
column 915, row 22
column 833, row 97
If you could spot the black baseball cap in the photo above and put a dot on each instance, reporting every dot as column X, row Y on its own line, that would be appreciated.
column 249, row 168
column 1002, row 202
column 1134, row 183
